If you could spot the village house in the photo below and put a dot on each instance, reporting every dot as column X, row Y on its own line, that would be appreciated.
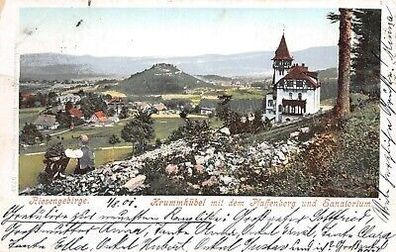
column 160, row 107
column 207, row 107
column 142, row 106
column 27, row 95
column 296, row 90
column 76, row 113
column 116, row 104
column 46, row 122
column 99, row 119
column 63, row 99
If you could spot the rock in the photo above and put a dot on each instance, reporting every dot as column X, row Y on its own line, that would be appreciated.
column 199, row 168
column 225, row 131
column 304, row 130
column 210, row 151
column 294, row 134
column 218, row 164
column 199, row 159
column 280, row 155
column 226, row 179
column 210, row 182
column 135, row 182
column 220, row 156
column 171, row 169
column 264, row 146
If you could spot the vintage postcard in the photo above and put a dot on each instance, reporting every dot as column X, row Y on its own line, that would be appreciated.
column 197, row 126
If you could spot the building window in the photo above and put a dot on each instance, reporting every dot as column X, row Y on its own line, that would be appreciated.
column 270, row 103
column 290, row 96
column 299, row 96
column 280, row 108
column 299, row 84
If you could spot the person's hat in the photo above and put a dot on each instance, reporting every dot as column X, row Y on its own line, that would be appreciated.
column 73, row 153
column 84, row 138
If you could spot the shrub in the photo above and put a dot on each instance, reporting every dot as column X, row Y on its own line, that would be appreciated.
column 30, row 134
column 139, row 131
column 113, row 139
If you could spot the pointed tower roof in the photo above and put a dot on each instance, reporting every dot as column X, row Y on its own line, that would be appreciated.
column 282, row 53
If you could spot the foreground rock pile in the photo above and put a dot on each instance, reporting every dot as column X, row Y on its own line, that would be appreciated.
column 211, row 164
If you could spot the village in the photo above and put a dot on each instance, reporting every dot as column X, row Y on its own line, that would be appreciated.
column 94, row 108
column 231, row 136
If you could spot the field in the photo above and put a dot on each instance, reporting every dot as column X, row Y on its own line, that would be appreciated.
column 99, row 136
column 28, row 115
column 196, row 95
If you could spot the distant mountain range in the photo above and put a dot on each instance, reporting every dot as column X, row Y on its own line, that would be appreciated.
column 52, row 66
column 160, row 79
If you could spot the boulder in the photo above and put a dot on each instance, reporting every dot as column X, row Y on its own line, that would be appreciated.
column 171, row 169
column 225, row 131
column 304, row 130
column 210, row 182
column 135, row 182
column 199, row 168
column 226, row 179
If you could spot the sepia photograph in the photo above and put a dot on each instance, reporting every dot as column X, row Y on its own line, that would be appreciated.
column 199, row 101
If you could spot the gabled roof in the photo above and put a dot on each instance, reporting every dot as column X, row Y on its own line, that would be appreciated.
column 282, row 53
column 101, row 116
column 76, row 113
column 46, row 120
column 301, row 73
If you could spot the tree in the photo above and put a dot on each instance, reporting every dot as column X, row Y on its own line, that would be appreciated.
column 138, row 131
column 223, row 108
column 111, row 112
column 114, row 140
column 64, row 119
column 92, row 103
column 42, row 99
column 52, row 98
column 365, row 68
column 108, row 97
column 366, row 25
column 30, row 134
column 342, row 107
column 124, row 113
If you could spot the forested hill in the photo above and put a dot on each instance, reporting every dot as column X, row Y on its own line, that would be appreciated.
column 159, row 79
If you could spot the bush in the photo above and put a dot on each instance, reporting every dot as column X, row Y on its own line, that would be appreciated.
column 139, row 131
column 113, row 139
column 192, row 130
column 30, row 134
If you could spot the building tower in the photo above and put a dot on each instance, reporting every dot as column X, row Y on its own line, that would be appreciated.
column 282, row 61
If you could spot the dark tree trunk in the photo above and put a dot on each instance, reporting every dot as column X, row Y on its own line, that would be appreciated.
column 342, row 108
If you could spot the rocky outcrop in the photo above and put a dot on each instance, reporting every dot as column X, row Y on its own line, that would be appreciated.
column 216, row 161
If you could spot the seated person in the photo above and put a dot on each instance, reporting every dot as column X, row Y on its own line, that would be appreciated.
column 84, row 156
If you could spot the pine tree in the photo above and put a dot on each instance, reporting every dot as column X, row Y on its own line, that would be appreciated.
column 366, row 49
column 366, row 26
column 342, row 108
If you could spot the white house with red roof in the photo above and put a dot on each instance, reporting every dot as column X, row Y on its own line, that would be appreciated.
column 296, row 90
column 98, row 118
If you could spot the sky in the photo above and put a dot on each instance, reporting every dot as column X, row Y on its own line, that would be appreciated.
column 165, row 32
